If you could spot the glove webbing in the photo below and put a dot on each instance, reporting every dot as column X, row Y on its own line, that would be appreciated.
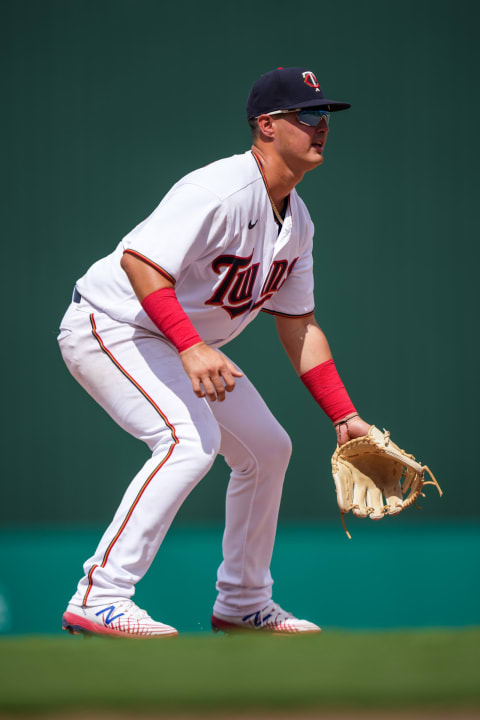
column 409, row 500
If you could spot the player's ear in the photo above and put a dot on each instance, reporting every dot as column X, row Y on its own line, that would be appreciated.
column 266, row 126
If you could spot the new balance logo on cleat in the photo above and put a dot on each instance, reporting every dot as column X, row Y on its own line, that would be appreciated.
column 109, row 617
column 271, row 619
column 123, row 618
column 258, row 621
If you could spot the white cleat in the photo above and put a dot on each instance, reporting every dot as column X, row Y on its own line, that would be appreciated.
column 121, row 618
column 271, row 619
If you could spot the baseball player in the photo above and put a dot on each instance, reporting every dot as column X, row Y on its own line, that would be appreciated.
column 143, row 336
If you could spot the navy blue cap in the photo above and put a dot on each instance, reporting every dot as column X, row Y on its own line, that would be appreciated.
column 288, row 89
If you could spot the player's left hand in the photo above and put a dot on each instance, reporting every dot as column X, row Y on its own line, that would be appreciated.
column 352, row 428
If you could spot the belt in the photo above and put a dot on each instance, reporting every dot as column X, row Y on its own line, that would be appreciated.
column 76, row 296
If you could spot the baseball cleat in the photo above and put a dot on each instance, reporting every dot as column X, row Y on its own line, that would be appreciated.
column 121, row 618
column 271, row 619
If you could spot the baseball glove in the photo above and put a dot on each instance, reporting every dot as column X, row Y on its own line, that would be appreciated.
column 372, row 467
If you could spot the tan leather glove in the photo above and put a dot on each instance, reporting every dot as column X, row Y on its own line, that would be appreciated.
column 370, row 468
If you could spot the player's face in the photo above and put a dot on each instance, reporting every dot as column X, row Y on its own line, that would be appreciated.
column 300, row 144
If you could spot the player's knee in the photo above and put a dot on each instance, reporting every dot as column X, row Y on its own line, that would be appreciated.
column 276, row 447
column 283, row 445
column 195, row 448
column 206, row 442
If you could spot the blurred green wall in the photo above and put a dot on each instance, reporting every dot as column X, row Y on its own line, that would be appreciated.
column 317, row 572
column 106, row 103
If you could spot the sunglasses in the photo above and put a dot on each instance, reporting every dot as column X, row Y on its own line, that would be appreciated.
column 306, row 116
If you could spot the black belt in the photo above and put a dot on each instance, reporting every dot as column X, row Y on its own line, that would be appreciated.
column 76, row 296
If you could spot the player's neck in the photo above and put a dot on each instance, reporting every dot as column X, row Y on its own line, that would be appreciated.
column 280, row 177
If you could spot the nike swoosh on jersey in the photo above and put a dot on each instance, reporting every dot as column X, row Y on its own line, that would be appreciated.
column 252, row 225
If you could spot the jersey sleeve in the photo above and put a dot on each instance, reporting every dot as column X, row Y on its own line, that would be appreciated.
column 187, row 224
column 295, row 297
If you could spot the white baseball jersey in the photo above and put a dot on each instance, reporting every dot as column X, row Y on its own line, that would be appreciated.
column 214, row 235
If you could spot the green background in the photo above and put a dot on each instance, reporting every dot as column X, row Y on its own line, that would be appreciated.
column 105, row 104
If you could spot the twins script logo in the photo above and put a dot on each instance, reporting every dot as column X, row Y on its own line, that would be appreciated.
column 310, row 80
column 235, row 292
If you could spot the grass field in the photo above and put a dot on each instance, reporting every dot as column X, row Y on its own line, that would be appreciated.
column 203, row 674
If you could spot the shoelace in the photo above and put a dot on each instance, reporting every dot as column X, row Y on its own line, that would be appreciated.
column 133, row 610
column 277, row 613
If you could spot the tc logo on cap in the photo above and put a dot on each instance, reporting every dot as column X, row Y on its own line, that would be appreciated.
column 310, row 80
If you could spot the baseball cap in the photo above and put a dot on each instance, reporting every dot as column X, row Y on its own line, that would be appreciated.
column 288, row 89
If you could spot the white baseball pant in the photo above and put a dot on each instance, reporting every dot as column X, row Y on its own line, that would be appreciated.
column 139, row 380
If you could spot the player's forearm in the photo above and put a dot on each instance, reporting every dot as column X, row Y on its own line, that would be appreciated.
column 210, row 372
column 309, row 352
column 143, row 278
column 304, row 342
column 158, row 299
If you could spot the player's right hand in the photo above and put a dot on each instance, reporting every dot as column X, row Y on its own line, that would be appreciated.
column 211, row 372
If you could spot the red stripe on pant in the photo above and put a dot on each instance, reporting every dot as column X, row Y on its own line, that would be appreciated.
column 175, row 442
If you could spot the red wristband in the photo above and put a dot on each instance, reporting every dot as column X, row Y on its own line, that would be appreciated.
column 323, row 381
column 163, row 309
